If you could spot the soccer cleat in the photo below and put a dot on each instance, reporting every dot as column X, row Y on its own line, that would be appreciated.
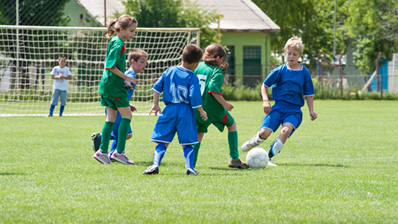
column 191, row 171
column 96, row 141
column 271, row 162
column 151, row 170
column 49, row 115
column 248, row 145
column 102, row 157
column 122, row 158
column 60, row 115
column 237, row 164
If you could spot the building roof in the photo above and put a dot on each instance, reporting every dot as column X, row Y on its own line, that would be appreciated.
column 95, row 8
column 238, row 15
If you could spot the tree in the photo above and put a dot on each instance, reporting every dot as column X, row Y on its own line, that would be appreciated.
column 173, row 13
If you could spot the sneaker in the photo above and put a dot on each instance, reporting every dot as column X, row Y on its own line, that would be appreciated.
column 60, row 115
column 102, row 157
column 49, row 115
column 248, row 145
column 96, row 141
column 237, row 164
column 191, row 171
column 122, row 158
column 151, row 170
column 271, row 162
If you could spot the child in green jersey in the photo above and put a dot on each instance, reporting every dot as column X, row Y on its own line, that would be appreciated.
column 114, row 95
column 211, row 78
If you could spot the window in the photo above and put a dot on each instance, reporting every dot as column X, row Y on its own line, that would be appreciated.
column 251, row 65
column 230, row 73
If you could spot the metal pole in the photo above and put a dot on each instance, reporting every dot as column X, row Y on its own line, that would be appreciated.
column 17, row 53
column 105, row 13
column 334, row 27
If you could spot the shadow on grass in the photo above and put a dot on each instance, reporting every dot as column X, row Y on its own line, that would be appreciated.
column 317, row 164
column 12, row 174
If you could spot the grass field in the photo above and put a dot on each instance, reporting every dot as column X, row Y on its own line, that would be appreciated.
column 341, row 168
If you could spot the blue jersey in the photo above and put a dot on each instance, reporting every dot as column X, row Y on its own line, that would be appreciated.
column 130, row 73
column 290, row 86
column 179, row 85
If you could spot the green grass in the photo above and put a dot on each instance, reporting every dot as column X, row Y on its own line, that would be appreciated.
column 341, row 168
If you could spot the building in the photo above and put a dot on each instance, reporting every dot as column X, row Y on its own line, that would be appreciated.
column 245, row 29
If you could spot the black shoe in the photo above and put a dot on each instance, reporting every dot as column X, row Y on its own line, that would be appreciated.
column 192, row 172
column 60, row 115
column 96, row 141
column 49, row 115
column 151, row 170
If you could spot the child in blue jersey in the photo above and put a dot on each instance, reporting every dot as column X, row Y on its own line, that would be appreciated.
column 291, row 82
column 138, row 61
column 181, row 94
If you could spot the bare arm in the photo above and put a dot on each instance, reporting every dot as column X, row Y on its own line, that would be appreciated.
column 310, row 103
column 264, row 95
column 117, row 72
column 223, row 102
column 155, row 108
column 203, row 113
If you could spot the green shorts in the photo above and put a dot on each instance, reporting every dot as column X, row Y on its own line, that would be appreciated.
column 114, row 102
column 227, row 120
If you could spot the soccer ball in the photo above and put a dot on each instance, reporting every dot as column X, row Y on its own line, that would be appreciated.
column 257, row 158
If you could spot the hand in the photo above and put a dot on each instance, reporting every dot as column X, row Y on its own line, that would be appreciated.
column 204, row 115
column 313, row 115
column 155, row 109
column 228, row 106
column 133, row 108
column 130, row 79
column 267, row 107
column 61, row 76
column 128, row 85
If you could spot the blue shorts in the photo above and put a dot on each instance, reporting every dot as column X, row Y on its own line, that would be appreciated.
column 115, row 130
column 283, row 113
column 174, row 118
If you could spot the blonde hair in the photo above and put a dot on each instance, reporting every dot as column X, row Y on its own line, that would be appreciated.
column 295, row 43
column 212, row 52
column 123, row 21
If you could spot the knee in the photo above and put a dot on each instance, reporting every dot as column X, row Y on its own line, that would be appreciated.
column 232, row 127
column 264, row 133
column 286, row 131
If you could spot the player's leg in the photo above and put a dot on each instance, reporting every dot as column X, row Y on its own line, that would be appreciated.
column 120, row 154
column 62, row 95
column 54, row 101
column 201, row 128
column 160, row 150
column 234, row 161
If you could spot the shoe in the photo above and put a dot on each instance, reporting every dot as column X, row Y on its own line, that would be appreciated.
column 192, row 172
column 237, row 164
column 122, row 158
column 96, row 141
column 248, row 145
column 102, row 157
column 271, row 162
column 151, row 170
column 49, row 115
column 60, row 115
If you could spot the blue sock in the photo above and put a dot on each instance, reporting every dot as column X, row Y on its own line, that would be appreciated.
column 114, row 144
column 113, row 136
column 189, row 155
column 61, row 110
column 52, row 109
column 159, row 153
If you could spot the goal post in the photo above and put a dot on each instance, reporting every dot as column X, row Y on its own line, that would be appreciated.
column 29, row 53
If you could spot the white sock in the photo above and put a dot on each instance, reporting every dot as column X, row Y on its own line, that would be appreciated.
column 258, row 138
column 275, row 148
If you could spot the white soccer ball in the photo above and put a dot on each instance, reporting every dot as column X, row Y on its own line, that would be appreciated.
column 257, row 158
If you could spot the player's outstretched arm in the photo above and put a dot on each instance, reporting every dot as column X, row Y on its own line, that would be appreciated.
column 155, row 108
column 310, row 103
column 264, row 94
column 122, row 75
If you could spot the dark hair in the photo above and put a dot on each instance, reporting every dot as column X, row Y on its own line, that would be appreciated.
column 136, row 54
column 191, row 54
column 212, row 52
column 123, row 21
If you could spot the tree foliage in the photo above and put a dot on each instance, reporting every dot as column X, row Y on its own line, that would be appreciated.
column 173, row 13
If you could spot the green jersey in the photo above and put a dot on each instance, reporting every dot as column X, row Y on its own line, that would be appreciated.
column 111, row 84
column 211, row 79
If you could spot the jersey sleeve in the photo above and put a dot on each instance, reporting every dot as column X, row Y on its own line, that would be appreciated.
column 54, row 71
column 308, row 88
column 216, row 82
column 195, row 95
column 114, row 53
column 158, row 87
column 272, row 78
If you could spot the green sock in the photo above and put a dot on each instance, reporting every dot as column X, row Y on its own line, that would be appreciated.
column 196, row 147
column 233, row 145
column 106, row 136
column 122, row 135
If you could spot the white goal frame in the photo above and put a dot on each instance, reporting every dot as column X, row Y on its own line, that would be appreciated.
column 28, row 54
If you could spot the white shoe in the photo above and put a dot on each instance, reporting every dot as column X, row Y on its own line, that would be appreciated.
column 122, row 158
column 271, row 162
column 248, row 145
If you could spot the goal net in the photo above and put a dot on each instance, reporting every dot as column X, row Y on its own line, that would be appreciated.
column 28, row 55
